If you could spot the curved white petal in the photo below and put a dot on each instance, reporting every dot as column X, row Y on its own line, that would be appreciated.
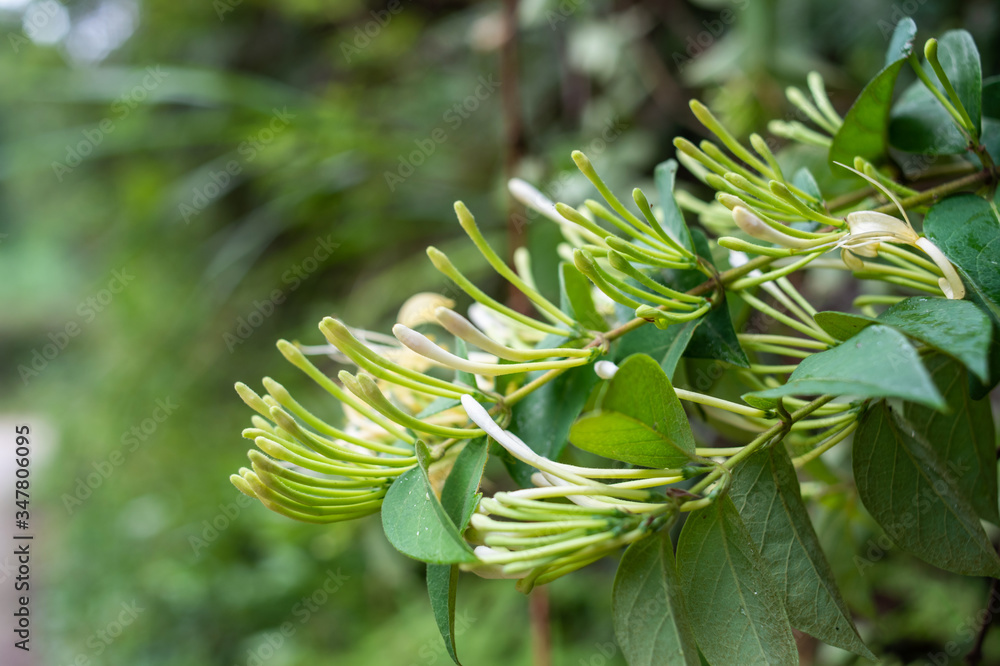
column 951, row 283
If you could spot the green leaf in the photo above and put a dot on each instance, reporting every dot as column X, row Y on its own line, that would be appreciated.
column 919, row 123
column 640, row 421
column 735, row 608
column 650, row 620
column 805, row 181
column 967, row 229
column 673, row 219
column 957, row 328
column 543, row 419
column 666, row 345
column 459, row 495
column 963, row 437
column 901, row 42
column 442, row 588
column 766, row 493
column 416, row 524
column 877, row 362
column 913, row 494
column 577, row 299
column 715, row 338
column 842, row 325
column 866, row 125
column 991, row 97
column 459, row 498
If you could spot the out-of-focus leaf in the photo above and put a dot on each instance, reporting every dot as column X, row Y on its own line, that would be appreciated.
column 577, row 298
column 866, row 125
column 673, row 219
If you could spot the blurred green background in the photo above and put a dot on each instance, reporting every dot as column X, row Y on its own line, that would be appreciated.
column 182, row 183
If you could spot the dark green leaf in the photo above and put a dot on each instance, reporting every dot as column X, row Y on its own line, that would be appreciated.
column 866, row 125
column 673, row 219
column 735, row 608
column 651, row 624
column 543, row 419
column 963, row 437
column 442, row 588
column 842, row 325
column 966, row 228
column 957, row 328
column 462, row 351
column 578, row 299
column 877, row 362
column 416, row 524
column 665, row 345
column 991, row 97
column 459, row 494
column 640, row 421
column 766, row 493
column 913, row 494
column 715, row 338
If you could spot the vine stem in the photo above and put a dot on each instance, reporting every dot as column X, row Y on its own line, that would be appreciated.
column 762, row 439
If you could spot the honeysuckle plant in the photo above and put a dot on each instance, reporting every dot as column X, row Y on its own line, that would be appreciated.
column 587, row 402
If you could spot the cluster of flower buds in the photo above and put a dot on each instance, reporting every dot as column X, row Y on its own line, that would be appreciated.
column 395, row 392
column 568, row 519
column 621, row 266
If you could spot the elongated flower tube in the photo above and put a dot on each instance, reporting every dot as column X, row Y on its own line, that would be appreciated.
column 867, row 229
column 421, row 345
column 754, row 226
column 464, row 329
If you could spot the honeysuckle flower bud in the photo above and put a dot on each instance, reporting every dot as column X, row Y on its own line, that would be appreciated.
column 754, row 226
column 605, row 369
column 421, row 345
column 462, row 328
